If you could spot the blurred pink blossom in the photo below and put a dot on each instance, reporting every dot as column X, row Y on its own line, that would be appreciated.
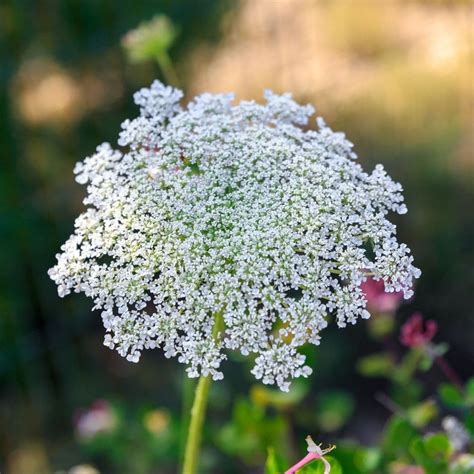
column 98, row 418
column 378, row 301
column 415, row 334
column 406, row 469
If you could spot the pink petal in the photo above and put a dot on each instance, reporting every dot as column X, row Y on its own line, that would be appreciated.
column 308, row 458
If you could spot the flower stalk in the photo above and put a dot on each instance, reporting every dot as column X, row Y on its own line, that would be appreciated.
column 198, row 410
column 449, row 372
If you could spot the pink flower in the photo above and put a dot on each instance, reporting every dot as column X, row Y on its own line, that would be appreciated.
column 99, row 418
column 413, row 334
column 314, row 452
column 378, row 301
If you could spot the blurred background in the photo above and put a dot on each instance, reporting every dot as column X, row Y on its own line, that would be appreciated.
column 396, row 76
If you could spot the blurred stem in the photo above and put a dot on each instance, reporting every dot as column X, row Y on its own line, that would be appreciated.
column 198, row 412
column 449, row 372
column 389, row 404
column 167, row 68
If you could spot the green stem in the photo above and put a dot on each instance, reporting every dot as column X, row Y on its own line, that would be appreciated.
column 167, row 68
column 193, row 443
column 188, row 389
column 198, row 411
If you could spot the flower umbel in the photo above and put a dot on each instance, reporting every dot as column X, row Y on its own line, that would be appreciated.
column 234, row 210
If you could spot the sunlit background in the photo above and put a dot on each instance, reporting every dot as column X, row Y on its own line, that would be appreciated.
column 396, row 76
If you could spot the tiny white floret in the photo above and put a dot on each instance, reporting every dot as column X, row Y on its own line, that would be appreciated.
column 239, row 210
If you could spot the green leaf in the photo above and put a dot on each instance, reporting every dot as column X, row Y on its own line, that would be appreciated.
column 469, row 423
column 438, row 446
column 407, row 394
column 356, row 459
column 333, row 410
column 367, row 459
column 432, row 453
column 317, row 467
column 351, row 457
column 250, row 431
column 405, row 371
column 376, row 365
column 420, row 415
column 451, row 395
column 470, row 392
column 426, row 363
column 274, row 463
column 398, row 435
column 381, row 325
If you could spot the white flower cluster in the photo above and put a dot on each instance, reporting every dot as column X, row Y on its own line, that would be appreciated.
column 234, row 212
column 457, row 432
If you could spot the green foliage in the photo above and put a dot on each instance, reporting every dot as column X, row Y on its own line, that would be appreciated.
column 469, row 423
column 381, row 325
column 140, row 439
column 406, row 394
column 251, row 431
column 404, row 443
column 403, row 373
column 423, row 413
column 451, row 395
column 470, row 392
column 376, row 365
column 432, row 453
column 317, row 467
column 333, row 409
column 397, row 437
column 274, row 463
column 357, row 459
